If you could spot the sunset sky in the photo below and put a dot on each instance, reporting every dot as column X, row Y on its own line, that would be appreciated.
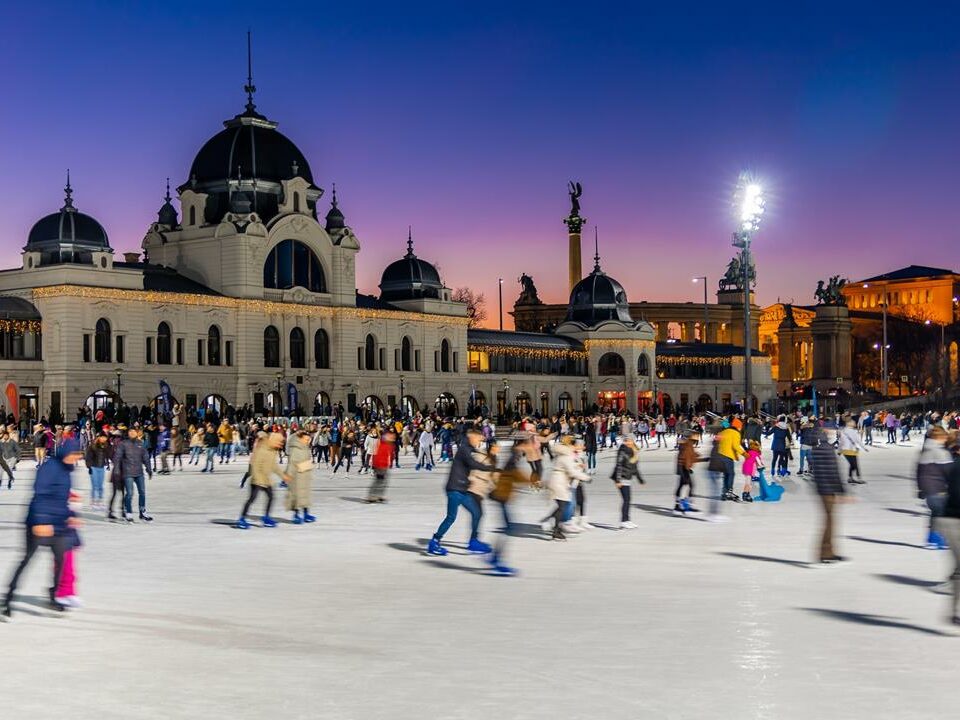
column 466, row 120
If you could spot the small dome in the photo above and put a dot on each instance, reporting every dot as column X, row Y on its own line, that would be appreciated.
column 335, row 219
column 68, row 235
column 598, row 298
column 410, row 278
column 168, row 213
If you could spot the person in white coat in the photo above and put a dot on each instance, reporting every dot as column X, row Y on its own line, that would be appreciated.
column 425, row 456
column 850, row 445
column 565, row 474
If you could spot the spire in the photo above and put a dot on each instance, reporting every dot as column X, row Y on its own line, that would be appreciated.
column 166, row 197
column 334, row 216
column 333, row 200
column 68, row 195
column 167, row 214
column 596, row 250
column 410, row 241
column 250, row 88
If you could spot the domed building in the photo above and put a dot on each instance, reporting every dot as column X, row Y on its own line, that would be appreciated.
column 67, row 236
column 598, row 298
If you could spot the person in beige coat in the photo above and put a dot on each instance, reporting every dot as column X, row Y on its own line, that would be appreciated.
column 300, row 472
column 263, row 468
column 565, row 474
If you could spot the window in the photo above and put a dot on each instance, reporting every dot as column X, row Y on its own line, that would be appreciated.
column 396, row 359
column 643, row 365
column 193, row 215
column 86, row 347
column 213, row 345
column 416, row 360
column 201, row 352
column 359, row 358
column 455, row 361
column 228, row 355
column 321, row 349
column 120, row 349
column 179, row 351
column 149, row 351
column 163, row 344
column 292, row 263
column 101, row 341
column 444, row 356
column 298, row 349
column 271, row 347
column 383, row 359
column 406, row 353
column 611, row 364
column 370, row 353
column 296, row 202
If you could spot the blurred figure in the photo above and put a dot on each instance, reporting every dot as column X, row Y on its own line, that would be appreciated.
column 505, row 484
column 826, row 476
column 948, row 523
column 850, row 445
column 687, row 457
column 933, row 470
column 381, row 460
column 457, row 489
column 263, row 467
column 300, row 472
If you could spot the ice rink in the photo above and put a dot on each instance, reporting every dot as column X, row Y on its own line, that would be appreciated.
column 347, row 618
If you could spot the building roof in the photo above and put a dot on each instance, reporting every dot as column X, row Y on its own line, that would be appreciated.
column 598, row 298
column 506, row 338
column 14, row 308
column 372, row 302
column 164, row 279
column 705, row 350
column 910, row 272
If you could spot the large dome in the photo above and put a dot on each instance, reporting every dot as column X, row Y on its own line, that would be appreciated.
column 598, row 298
column 410, row 278
column 67, row 235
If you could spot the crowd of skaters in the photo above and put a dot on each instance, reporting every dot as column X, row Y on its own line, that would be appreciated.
column 481, row 470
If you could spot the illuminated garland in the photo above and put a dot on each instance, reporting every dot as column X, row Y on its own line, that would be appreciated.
column 267, row 307
column 19, row 326
column 695, row 360
column 539, row 353
column 640, row 344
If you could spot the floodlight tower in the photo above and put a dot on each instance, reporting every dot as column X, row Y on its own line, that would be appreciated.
column 749, row 203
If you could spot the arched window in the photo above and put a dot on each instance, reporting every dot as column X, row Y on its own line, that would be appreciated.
column 271, row 347
column 292, row 263
column 101, row 341
column 213, row 345
column 445, row 356
column 643, row 365
column 406, row 354
column 611, row 364
column 321, row 349
column 445, row 405
column 370, row 353
column 163, row 344
column 298, row 348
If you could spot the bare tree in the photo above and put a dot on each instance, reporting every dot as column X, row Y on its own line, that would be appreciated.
column 476, row 305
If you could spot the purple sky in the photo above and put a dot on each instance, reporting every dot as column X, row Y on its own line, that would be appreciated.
column 468, row 123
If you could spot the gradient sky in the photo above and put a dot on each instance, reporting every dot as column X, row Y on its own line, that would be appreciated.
column 466, row 120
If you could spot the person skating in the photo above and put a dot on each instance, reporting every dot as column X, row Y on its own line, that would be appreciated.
column 505, row 484
column 96, row 457
column 752, row 467
column 66, row 592
column 49, row 519
column 131, row 458
column 729, row 448
column 933, row 470
column 948, row 525
column 457, row 487
column 826, row 476
column 380, row 462
column 425, row 443
column 626, row 468
column 850, row 445
column 687, row 457
column 300, row 472
column 263, row 467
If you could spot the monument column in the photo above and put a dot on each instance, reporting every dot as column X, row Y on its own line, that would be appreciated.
column 574, row 224
column 832, row 339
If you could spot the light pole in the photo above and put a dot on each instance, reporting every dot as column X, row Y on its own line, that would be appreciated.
column 403, row 409
column 706, row 310
column 506, row 397
column 583, row 396
column 500, row 295
column 119, row 374
column 883, row 365
column 750, row 206
column 279, row 377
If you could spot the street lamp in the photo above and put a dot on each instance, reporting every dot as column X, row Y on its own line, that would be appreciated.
column 118, row 373
column 706, row 311
column 279, row 402
column 403, row 408
column 500, row 295
column 583, row 395
column 883, row 354
column 883, row 364
column 750, row 206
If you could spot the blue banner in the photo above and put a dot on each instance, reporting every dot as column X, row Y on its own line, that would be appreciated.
column 166, row 398
column 291, row 397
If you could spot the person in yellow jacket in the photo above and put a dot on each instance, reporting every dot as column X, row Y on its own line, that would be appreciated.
column 730, row 449
column 225, row 436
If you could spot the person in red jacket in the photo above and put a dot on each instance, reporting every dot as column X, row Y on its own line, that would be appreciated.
column 382, row 458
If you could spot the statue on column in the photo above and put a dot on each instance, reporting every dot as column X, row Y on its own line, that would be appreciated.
column 831, row 293
column 528, row 292
column 574, row 221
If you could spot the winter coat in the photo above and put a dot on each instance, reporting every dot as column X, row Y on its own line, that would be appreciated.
column 849, row 441
column 130, row 459
column 565, row 473
column 96, row 455
column 264, row 466
column 627, row 465
column 933, row 468
column 463, row 463
column 51, row 495
column 300, row 480
column 826, row 473
column 482, row 481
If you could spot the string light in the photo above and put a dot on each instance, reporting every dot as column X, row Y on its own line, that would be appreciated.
column 19, row 326
column 266, row 307
column 638, row 344
column 539, row 353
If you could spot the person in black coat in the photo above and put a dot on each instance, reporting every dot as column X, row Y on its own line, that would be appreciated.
column 49, row 521
column 948, row 524
column 826, row 476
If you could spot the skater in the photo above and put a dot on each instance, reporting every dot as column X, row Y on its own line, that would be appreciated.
column 729, row 449
column 626, row 468
column 425, row 454
column 850, row 445
column 132, row 459
column 66, row 592
column 565, row 474
column 948, row 524
column 505, row 483
column 752, row 467
column 96, row 458
column 49, row 519
column 300, row 472
column 263, row 468
column 381, row 461
column 687, row 457
column 211, row 442
column 826, row 475
column 933, row 470
column 457, row 487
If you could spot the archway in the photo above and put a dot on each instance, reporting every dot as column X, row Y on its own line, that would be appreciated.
column 214, row 405
column 446, row 405
column 372, row 404
column 274, row 404
column 157, row 403
column 523, row 404
column 565, row 403
column 478, row 401
column 409, row 406
column 643, row 365
column 105, row 400
column 320, row 403
column 704, row 403
column 611, row 363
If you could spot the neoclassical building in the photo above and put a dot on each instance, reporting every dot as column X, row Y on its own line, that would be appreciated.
column 247, row 295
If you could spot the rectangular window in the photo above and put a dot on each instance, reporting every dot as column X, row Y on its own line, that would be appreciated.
column 383, row 358
column 436, row 360
column 360, row 357
column 86, row 347
column 456, row 360
column 55, row 414
column 396, row 359
column 191, row 401
column 120, row 349
column 149, row 351
column 228, row 347
column 201, row 355
column 416, row 358
column 179, row 351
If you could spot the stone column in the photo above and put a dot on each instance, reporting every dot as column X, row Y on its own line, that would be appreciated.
column 832, row 346
column 574, row 224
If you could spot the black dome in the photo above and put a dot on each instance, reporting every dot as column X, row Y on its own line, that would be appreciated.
column 597, row 298
column 67, row 235
column 335, row 219
column 410, row 278
column 255, row 147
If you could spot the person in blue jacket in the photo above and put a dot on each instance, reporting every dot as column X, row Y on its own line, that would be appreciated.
column 49, row 522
